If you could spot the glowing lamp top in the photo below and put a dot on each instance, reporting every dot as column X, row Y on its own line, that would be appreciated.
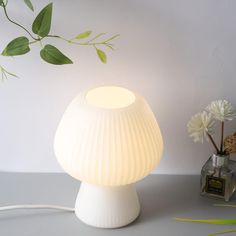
column 110, row 97
column 108, row 136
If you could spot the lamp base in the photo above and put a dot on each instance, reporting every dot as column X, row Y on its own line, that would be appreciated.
column 107, row 207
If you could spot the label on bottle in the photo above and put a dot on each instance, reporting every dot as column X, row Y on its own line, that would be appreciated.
column 215, row 185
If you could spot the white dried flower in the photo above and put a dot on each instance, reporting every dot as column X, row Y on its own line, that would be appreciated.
column 199, row 125
column 221, row 110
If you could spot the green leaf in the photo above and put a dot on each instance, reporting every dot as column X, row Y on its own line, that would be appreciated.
column 18, row 46
column 1, row 2
column 29, row 4
column 211, row 221
column 42, row 23
column 83, row 35
column 52, row 55
column 102, row 56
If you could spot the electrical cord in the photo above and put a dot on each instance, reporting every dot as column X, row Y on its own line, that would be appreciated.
column 30, row 206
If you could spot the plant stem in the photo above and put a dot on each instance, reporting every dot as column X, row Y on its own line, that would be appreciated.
column 223, row 232
column 4, row 73
column 62, row 38
column 40, row 41
column 222, row 137
column 15, row 23
column 32, row 42
column 213, row 142
column 224, row 205
column 99, row 35
column 113, row 37
column 88, row 43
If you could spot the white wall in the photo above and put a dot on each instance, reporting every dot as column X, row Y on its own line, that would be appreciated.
column 179, row 54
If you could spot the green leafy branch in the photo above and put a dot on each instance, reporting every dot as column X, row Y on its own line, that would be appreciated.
column 40, row 31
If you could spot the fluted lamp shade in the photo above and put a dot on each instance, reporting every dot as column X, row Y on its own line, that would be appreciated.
column 108, row 138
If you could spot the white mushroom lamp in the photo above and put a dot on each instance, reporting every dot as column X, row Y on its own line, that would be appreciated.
column 108, row 139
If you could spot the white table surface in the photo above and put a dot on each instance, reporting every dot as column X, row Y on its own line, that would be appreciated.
column 162, row 197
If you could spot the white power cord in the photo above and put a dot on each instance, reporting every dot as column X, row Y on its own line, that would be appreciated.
column 29, row 206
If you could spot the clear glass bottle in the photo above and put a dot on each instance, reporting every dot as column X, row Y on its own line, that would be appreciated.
column 218, row 177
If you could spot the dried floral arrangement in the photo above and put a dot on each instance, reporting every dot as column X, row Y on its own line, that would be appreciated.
column 40, row 32
column 201, row 126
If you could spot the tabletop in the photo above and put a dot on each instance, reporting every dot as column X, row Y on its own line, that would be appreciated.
column 162, row 198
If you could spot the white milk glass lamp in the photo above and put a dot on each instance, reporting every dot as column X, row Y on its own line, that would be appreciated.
column 108, row 139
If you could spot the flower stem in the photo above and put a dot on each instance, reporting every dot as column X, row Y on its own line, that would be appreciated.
column 213, row 142
column 15, row 23
column 222, row 137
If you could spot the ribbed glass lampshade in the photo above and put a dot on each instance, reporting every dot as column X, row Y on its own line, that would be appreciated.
column 108, row 136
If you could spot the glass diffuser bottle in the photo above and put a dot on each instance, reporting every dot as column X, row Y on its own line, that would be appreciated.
column 218, row 173
column 218, row 178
